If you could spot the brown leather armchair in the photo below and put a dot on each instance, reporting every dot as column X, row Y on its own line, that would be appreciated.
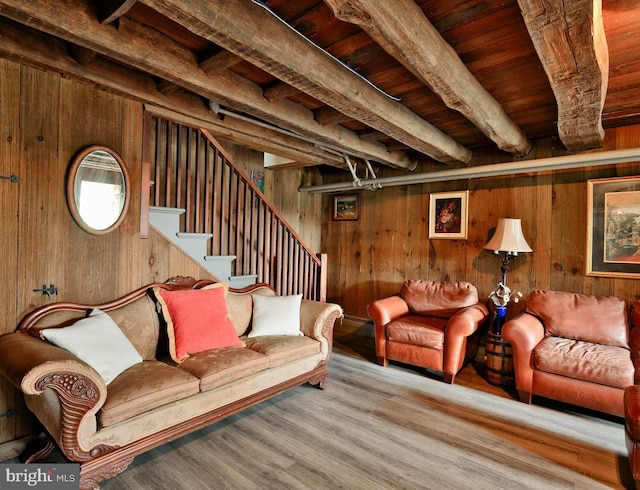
column 434, row 325
column 632, row 429
column 574, row 348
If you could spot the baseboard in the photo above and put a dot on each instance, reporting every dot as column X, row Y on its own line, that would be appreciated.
column 12, row 449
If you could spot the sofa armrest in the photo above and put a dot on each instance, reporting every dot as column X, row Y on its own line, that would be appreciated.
column 317, row 320
column 461, row 325
column 61, row 390
column 25, row 360
column 523, row 332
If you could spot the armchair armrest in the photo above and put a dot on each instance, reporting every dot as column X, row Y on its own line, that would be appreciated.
column 460, row 326
column 317, row 320
column 61, row 390
column 382, row 312
column 523, row 332
column 634, row 338
column 632, row 426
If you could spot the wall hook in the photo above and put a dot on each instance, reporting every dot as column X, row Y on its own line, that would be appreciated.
column 52, row 289
column 13, row 178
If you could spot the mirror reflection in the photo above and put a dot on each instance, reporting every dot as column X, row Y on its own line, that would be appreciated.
column 98, row 184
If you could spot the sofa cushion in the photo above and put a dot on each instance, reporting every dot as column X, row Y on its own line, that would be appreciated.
column 139, row 321
column 597, row 319
column 99, row 342
column 240, row 306
column 439, row 299
column 597, row 363
column 276, row 315
column 283, row 349
column 217, row 367
column 144, row 387
column 418, row 330
column 197, row 320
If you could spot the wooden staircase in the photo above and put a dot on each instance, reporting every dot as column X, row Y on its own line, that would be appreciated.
column 204, row 203
column 196, row 245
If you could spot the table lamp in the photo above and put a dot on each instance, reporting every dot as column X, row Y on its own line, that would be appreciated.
column 509, row 241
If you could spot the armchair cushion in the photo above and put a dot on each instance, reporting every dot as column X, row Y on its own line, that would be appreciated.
column 597, row 363
column 597, row 319
column 418, row 330
column 438, row 299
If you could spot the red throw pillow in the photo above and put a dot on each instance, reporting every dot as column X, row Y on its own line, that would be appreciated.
column 197, row 320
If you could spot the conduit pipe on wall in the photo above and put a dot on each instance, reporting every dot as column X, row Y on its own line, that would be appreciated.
column 494, row 170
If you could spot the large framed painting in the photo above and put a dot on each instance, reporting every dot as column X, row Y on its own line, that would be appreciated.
column 613, row 227
column 448, row 215
column 346, row 207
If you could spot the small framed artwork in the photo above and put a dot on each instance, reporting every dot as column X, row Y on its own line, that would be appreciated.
column 257, row 178
column 613, row 227
column 448, row 215
column 346, row 207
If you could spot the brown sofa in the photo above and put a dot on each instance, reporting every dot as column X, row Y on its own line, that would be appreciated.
column 430, row 324
column 574, row 348
column 103, row 419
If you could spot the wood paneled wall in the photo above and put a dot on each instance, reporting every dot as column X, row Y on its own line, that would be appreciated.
column 45, row 120
column 370, row 258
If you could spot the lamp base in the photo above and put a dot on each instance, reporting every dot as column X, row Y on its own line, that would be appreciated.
column 499, row 318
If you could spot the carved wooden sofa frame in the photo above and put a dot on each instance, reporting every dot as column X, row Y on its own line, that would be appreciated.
column 78, row 394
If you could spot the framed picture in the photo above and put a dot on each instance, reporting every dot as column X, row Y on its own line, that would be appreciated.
column 346, row 207
column 448, row 215
column 613, row 227
column 257, row 178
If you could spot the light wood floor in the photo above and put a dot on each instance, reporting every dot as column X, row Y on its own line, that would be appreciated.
column 391, row 428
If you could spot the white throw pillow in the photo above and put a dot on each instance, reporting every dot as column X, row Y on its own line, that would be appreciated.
column 99, row 342
column 276, row 315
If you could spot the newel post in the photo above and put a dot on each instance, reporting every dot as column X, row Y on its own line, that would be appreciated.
column 322, row 282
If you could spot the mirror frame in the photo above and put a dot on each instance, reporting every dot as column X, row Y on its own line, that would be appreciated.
column 71, row 181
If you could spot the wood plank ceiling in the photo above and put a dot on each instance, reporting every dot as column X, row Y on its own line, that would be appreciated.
column 395, row 83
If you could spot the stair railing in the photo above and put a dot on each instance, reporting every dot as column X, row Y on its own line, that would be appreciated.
column 189, row 170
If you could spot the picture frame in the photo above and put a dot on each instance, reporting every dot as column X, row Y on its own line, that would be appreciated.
column 346, row 207
column 257, row 179
column 613, row 244
column 448, row 215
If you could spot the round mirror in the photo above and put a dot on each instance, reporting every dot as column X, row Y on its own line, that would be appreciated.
column 98, row 190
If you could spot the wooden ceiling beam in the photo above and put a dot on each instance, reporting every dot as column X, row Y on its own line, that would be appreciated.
column 279, row 90
column 81, row 55
column 403, row 31
column 328, row 115
column 112, row 10
column 219, row 62
column 232, row 24
column 149, row 51
column 39, row 51
column 570, row 41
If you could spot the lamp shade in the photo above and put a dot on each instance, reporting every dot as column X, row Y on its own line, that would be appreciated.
column 508, row 238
